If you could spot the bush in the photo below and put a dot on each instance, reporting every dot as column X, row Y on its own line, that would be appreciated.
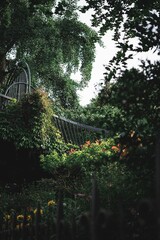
column 109, row 161
column 27, row 130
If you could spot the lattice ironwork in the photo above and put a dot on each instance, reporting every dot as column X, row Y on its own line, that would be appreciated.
column 19, row 84
column 20, row 81
column 77, row 133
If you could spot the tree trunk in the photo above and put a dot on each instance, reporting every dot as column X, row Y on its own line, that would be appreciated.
column 2, row 68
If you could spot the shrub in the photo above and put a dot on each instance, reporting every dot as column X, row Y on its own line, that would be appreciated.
column 28, row 123
column 108, row 159
column 27, row 130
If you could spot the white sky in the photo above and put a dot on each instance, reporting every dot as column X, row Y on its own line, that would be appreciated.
column 103, row 56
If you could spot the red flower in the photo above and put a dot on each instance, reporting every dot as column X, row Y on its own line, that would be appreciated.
column 115, row 148
column 72, row 150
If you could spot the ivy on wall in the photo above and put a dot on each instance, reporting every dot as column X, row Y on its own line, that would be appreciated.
column 28, row 122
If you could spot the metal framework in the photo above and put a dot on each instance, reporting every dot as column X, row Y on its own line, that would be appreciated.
column 20, row 81
column 19, row 84
column 77, row 133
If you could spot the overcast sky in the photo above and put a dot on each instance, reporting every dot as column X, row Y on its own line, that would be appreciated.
column 103, row 56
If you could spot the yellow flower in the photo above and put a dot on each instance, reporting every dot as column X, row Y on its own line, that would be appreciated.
column 29, row 217
column 51, row 203
column 20, row 217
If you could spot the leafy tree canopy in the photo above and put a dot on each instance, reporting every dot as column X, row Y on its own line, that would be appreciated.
column 131, row 102
column 129, row 20
column 50, row 37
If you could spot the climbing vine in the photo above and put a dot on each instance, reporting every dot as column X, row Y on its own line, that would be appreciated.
column 28, row 123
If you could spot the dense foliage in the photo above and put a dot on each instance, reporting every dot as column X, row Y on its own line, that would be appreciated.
column 130, row 102
column 124, row 164
column 116, row 162
column 50, row 37
column 27, row 130
column 135, row 27
column 28, row 123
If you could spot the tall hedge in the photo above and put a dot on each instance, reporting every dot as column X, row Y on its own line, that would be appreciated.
column 27, row 130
